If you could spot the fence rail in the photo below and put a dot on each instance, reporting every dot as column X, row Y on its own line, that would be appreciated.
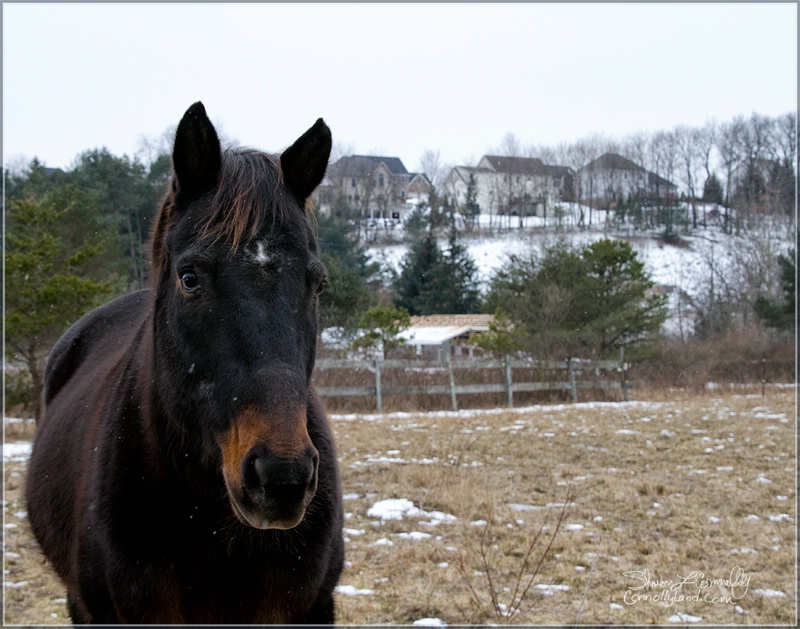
column 509, row 386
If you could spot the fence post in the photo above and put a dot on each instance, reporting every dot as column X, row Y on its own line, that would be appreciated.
column 453, row 400
column 623, row 367
column 509, row 384
column 572, row 386
column 378, row 395
column 763, row 375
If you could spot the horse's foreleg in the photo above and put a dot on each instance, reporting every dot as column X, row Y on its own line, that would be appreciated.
column 101, row 614
column 321, row 612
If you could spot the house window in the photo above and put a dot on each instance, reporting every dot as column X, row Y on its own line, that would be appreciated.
column 353, row 182
column 380, row 181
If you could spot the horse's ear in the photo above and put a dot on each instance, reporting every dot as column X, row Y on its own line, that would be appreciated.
column 196, row 156
column 304, row 163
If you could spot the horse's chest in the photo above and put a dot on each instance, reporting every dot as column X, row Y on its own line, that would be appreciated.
column 229, row 593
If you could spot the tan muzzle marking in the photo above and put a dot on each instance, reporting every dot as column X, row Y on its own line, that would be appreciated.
column 285, row 435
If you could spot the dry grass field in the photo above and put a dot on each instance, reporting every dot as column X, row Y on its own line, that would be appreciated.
column 676, row 509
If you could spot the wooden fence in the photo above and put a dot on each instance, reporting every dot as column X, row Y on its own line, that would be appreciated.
column 509, row 385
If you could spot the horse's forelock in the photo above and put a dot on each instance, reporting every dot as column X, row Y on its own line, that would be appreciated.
column 248, row 193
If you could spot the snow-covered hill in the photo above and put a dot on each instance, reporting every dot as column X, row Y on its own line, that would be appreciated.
column 682, row 269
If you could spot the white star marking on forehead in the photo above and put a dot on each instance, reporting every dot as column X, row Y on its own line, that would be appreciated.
column 261, row 256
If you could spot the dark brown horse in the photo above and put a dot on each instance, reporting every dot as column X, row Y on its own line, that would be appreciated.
column 184, row 471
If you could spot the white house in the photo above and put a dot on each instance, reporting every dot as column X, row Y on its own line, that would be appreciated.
column 610, row 177
column 515, row 186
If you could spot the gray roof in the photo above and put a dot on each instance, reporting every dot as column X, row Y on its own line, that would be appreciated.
column 559, row 171
column 362, row 165
column 656, row 180
column 517, row 165
column 612, row 161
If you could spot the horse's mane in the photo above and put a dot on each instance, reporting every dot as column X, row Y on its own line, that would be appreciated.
column 248, row 192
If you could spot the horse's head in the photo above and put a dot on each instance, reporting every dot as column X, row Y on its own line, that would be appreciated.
column 237, row 278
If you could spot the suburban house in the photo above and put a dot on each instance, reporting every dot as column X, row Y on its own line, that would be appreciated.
column 514, row 186
column 370, row 186
column 419, row 188
column 435, row 337
column 611, row 177
column 456, row 185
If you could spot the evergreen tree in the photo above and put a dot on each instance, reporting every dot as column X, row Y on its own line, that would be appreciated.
column 48, row 285
column 460, row 279
column 129, row 196
column 712, row 190
column 421, row 282
column 781, row 315
column 350, row 274
column 625, row 309
column 433, row 281
column 471, row 210
column 567, row 300
column 34, row 180
column 416, row 224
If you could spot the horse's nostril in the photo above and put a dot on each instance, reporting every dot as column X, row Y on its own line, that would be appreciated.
column 255, row 475
column 266, row 476
column 260, row 467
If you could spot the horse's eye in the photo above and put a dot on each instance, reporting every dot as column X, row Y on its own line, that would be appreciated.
column 189, row 281
column 322, row 286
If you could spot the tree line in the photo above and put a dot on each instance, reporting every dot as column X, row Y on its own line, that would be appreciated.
column 79, row 237
column 747, row 164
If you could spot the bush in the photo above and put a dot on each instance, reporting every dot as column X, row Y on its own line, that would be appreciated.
column 19, row 392
column 578, row 301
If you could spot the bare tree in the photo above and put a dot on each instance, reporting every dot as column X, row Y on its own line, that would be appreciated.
column 587, row 150
column 785, row 138
column 340, row 150
column 510, row 146
column 782, row 182
column 548, row 154
column 733, row 275
column 664, row 155
column 570, row 155
column 706, row 141
column 687, row 142
column 151, row 147
column 635, row 148
column 755, row 144
column 728, row 146
column 430, row 164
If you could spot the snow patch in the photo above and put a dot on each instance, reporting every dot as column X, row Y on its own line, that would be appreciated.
column 17, row 451
column 399, row 508
column 682, row 617
column 352, row 590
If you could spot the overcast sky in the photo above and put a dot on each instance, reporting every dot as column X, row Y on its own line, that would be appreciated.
column 392, row 79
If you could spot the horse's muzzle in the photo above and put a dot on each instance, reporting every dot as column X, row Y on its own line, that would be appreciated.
column 270, row 468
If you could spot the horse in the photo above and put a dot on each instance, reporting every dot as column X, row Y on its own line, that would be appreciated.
column 184, row 470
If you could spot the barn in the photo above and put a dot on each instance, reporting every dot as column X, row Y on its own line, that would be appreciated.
column 437, row 337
